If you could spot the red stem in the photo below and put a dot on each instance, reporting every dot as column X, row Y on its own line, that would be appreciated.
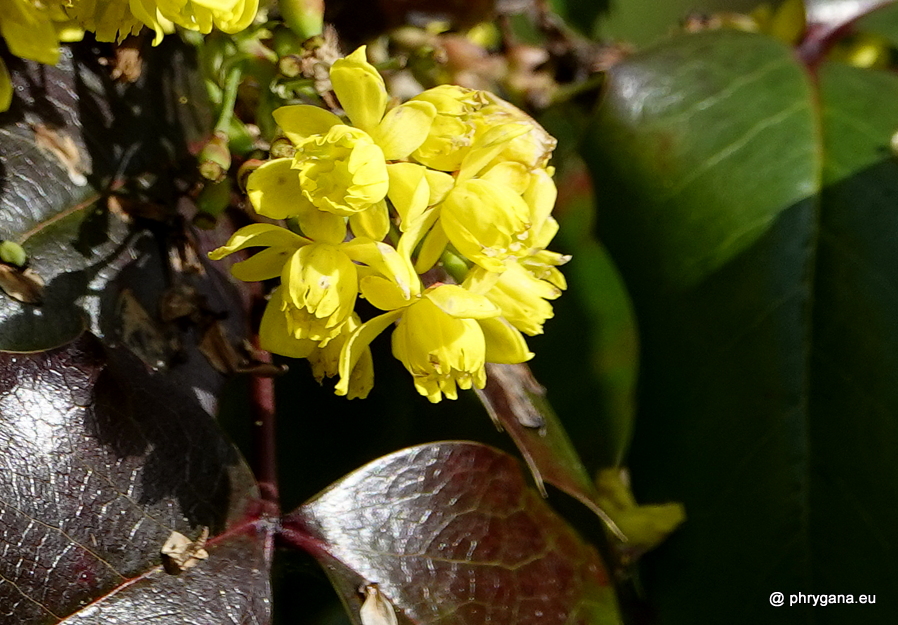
column 263, row 411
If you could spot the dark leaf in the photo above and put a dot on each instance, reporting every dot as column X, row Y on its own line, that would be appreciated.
column 450, row 533
column 102, row 461
column 752, row 213
column 71, row 135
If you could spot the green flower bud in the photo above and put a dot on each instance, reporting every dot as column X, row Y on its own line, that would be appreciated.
column 13, row 254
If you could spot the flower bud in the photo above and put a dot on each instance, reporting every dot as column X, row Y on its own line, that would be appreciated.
column 13, row 254
column 215, row 158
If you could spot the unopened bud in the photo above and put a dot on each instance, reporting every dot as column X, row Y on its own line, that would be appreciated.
column 304, row 17
column 282, row 147
column 13, row 254
column 245, row 170
column 215, row 157
column 284, row 41
column 290, row 66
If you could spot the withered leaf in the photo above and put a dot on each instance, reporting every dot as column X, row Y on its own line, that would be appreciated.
column 60, row 145
column 376, row 609
column 22, row 285
column 179, row 553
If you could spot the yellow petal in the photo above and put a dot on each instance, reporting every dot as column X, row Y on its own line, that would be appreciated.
column 504, row 344
column 342, row 171
column 265, row 265
column 439, row 350
column 480, row 281
column 409, row 191
column 487, row 223
column 404, row 129
column 5, row 87
column 382, row 293
column 236, row 16
column 360, row 89
column 513, row 175
column 274, row 190
column 432, row 248
column 523, row 299
column 546, row 233
column 273, row 334
column 386, row 260
column 461, row 303
column 301, row 121
column 361, row 380
column 440, row 184
column 446, row 145
column 322, row 279
column 373, row 223
column 416, row 231
column 487, row 146
column 29, row 32
column 358, row 343
column 452, row 99
column 259, row 235
column 321, row 226
column 540, row 196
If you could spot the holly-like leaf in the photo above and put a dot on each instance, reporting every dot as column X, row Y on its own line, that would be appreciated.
column 451, row 533
column 750, row 206
column 102, row 461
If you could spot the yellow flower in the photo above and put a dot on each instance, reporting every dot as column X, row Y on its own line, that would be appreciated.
column 543, row 265
column 274, row 336
column 319, row 280
column 342, row 171
column 521, row 296
column 325, row 362
column 342, row 168
column 487, row 222
column 444, row 337
column 116, row 19
column 532, row 149
column 320, row 287
column 452, row 132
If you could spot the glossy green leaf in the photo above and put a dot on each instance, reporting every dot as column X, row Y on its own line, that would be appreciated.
column 883, row 22
column 751, row 210
column 644, row 21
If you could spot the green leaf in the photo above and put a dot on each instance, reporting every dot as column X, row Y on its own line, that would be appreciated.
column 751, row 211
column 644, row 21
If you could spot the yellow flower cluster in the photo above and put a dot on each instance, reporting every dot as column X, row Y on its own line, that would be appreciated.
column 450, row 168
column 33, row 28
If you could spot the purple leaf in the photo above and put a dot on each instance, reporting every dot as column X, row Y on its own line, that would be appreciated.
column 101, row 461
column 451, row 533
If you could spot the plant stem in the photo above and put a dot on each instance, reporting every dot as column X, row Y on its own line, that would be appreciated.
column 263, row 413
column 229, row 98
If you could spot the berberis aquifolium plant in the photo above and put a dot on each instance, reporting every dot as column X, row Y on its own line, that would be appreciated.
column 219, row 219
column 452, row 166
